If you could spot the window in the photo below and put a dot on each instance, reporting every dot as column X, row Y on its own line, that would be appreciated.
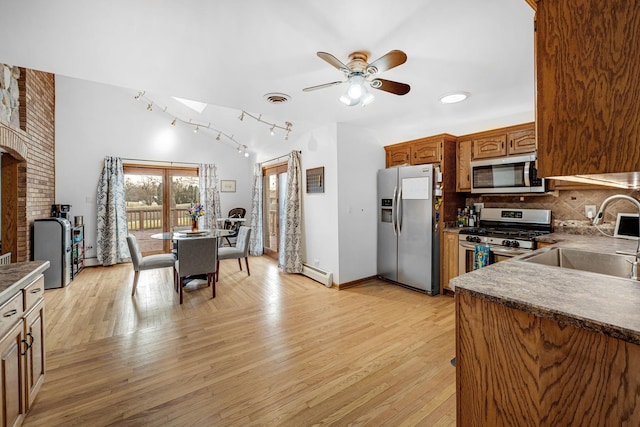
column 157, row 199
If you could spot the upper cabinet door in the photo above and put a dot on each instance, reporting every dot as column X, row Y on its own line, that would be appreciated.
column 490, row 146
column 463, row 155
column 397, row 156
column 426, row 152
column 588, row 89
column 522, row 141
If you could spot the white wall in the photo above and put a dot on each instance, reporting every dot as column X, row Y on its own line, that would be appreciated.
column 95, row 120
column 320, row 210
column 359, row 158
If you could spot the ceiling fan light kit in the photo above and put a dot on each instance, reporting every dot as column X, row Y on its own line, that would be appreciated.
column 358, row 73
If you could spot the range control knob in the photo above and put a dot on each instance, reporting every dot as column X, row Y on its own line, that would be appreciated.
column 515, row 244
column 506, row 243
column 475, row 239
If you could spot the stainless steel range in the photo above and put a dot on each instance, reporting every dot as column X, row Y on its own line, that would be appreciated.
column 508, row 232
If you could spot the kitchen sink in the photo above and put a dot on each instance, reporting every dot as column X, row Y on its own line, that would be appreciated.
column 610, row 264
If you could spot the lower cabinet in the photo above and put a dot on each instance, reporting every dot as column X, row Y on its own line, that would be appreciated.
column 35, row 356
column 22, row 352
column 12, row 383
column 449, row 268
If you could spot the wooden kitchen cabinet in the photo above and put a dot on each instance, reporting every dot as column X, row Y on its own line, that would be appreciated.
column 449, row 263
column 588, row 114
column 463, row 157
column 521, row 141
column 515, row 368
column 22, row 352
column 35, row 353
column 426, row 151
column 398, row 155
column 12, row 372
column 490, row 146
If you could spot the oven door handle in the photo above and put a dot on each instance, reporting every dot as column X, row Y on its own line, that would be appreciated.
column 527, row 174
column 466, row 245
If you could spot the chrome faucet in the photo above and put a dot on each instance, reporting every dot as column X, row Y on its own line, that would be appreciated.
column 600, row 214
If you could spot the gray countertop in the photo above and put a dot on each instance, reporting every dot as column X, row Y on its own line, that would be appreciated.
column 14, row 277
column 593, row 301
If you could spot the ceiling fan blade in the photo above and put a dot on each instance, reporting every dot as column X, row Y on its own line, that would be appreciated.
column 308, row 89
column 333, row 61
column 388, row 61
column 391, row 86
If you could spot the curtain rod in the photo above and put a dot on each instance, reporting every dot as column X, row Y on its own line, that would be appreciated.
column 160, row 161
column 277, row 158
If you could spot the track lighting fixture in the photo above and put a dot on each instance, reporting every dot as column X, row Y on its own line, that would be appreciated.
column 242, row 149
column 273, row 126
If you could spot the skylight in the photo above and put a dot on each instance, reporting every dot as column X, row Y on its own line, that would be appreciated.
column 194, row 105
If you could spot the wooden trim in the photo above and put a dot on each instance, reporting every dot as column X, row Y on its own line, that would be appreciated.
column 351, row 284
column 533, row 4
column 138, row 168
column 276, row 169
column 497, row 131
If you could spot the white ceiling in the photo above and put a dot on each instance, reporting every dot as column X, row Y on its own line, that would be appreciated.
column 230, row 53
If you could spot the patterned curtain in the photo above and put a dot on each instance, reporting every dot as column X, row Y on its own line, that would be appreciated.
column 255, row 245
column 112, row 214
column 293, row 216
column 209, row 195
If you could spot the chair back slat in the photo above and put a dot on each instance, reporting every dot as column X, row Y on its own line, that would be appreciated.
column 5, row 258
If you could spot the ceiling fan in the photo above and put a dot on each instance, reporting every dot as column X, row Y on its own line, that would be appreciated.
column 358, row 72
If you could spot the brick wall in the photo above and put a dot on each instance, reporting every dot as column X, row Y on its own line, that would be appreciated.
column 36, row 175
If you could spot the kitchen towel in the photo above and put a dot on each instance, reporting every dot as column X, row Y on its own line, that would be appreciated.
column 480, row 256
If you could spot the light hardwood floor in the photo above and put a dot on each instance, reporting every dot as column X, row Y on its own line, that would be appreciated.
column 270, row 349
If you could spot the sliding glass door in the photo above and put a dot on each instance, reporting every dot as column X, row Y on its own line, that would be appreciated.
column 157, row 199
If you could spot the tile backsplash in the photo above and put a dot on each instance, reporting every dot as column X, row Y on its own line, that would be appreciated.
column 567, row 207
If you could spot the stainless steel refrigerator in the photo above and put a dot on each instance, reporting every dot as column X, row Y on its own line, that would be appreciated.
column 52, row 242
column 408, row 250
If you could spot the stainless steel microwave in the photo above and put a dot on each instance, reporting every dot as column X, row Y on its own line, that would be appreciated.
column 515, row 174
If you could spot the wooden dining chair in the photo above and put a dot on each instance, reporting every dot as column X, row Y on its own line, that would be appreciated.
column 240, row 250
column 148, row 262
column 197, row 256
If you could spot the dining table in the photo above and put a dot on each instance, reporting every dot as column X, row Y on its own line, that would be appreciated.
column 193, row 282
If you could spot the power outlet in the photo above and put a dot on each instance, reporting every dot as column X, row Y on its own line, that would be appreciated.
column 590, row 211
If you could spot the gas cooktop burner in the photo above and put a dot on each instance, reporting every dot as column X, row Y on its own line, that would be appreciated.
column 521, row 234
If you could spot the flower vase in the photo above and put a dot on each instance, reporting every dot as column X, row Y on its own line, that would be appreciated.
column 194, row 224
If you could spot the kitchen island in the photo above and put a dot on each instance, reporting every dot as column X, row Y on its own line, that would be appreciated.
column 22, row 338
column 542, row 345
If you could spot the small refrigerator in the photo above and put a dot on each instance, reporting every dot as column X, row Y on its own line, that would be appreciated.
column 52, row 242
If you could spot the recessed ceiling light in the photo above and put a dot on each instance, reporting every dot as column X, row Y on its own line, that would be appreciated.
column 452, row 98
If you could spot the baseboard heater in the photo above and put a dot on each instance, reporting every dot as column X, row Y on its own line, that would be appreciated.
column 318, row 275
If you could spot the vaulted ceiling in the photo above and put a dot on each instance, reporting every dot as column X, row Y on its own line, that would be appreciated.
column 231, row 53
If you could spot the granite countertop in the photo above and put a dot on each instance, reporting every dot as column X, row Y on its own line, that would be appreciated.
column 604, row 304
column 14, row 277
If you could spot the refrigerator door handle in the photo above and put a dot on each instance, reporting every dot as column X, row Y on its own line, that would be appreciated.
column 399, row 212
column 394, row 213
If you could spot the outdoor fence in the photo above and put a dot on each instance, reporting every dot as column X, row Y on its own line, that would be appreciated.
column 150, row 217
